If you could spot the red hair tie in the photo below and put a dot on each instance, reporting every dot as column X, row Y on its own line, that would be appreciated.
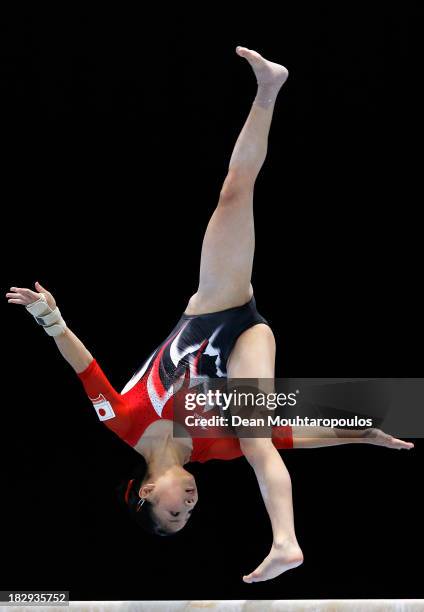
column 127, row 492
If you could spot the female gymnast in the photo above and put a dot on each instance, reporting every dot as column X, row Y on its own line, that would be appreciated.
column 220, row 334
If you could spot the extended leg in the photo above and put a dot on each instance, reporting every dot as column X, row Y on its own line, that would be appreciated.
column 253, row 357
column 228, row 245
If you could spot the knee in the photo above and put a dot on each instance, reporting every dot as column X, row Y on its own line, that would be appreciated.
column 237, row 185
column 256, row 450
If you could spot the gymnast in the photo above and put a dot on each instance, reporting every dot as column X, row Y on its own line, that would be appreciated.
column 220, row 334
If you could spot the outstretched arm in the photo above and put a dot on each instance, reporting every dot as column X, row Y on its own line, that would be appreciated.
column 275, row 486
column 70, row 347
column 314, row 437
column 110, row 406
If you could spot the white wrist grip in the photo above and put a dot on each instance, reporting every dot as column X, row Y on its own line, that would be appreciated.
column 39, row 307
column 50, row 320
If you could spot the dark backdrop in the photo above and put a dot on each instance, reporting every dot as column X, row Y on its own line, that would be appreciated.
column 117, row 129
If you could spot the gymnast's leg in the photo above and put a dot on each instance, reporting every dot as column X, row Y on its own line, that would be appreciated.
column 253, row 356
column 228, row 245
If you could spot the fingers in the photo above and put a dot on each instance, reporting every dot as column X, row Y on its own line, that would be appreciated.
column 384, row 439
column 16, row 297
column 22, row 295
column 42, row 289
column 51, row 302
column 27, row 292
column 396, row 443
column 402, row 444
column 28, row 296
column 50, row 299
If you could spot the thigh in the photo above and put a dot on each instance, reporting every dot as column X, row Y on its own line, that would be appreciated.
column 227, row 251
column 253, row 356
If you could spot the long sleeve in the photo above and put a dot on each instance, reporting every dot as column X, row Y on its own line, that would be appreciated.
column 229, row 448
column 110, row 406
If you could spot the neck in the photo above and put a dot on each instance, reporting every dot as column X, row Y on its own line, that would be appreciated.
column 164, row 454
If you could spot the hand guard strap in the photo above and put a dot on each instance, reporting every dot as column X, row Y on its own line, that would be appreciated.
column 50, row 320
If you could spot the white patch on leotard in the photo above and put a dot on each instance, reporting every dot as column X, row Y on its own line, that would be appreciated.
column 130, row 384
column 158, row 402
column 103, row 408
column 214, row 352
column 175, row 354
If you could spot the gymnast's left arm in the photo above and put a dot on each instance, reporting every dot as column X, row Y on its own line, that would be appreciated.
column 315, row 437
column 111, row 407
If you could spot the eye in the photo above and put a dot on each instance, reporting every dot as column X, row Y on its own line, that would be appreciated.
column 175, row 513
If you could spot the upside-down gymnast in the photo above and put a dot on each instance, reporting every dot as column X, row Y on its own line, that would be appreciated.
column 220, row 334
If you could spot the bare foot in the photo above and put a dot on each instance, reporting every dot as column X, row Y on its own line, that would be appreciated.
column 266, row 72
column 379, row 438
column 269, row 75
column 280, row 559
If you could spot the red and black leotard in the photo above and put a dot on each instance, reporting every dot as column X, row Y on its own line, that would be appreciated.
column 198, row 346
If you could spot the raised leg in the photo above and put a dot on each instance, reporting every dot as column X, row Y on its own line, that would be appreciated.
column 229, row 242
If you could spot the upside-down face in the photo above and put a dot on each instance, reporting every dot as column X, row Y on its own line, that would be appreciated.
column 173, row 497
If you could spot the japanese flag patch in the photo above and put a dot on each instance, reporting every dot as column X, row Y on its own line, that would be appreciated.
column 103, row 408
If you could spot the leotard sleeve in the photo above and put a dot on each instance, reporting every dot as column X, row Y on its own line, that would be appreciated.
column 110, row 406
column 229, row 448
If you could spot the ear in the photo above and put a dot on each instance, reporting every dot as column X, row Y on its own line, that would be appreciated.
column 146, row 490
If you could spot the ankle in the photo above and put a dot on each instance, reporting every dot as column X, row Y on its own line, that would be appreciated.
column 286, row 543
column 266, row 95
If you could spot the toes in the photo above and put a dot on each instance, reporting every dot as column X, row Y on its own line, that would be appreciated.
column 242, row 50
column 251, row 577
column 248, row 53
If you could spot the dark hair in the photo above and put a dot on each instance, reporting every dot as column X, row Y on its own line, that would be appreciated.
column 143, row 516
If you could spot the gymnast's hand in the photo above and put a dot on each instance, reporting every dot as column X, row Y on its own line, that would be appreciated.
column 70, row 347
column 380, row 438
column 21, row 295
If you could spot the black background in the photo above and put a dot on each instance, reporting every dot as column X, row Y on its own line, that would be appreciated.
column 117, row 128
